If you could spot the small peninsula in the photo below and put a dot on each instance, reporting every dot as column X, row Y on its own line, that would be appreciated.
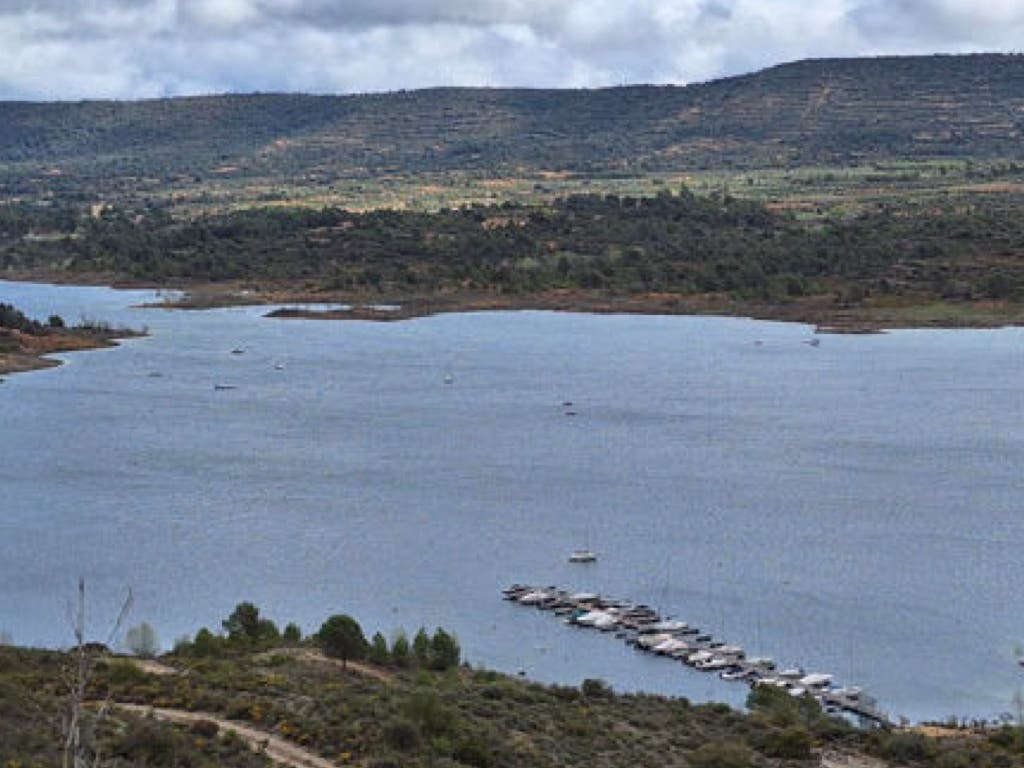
column 26, row 343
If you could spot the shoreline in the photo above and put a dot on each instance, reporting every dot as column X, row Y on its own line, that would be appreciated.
column 32, row 352
column 821, row 312
column 876, row 315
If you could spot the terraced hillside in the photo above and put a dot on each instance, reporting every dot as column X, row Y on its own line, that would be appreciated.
column 820, row 112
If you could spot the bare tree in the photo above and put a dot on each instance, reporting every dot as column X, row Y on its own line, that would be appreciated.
column 79, row 724
column 142, row 641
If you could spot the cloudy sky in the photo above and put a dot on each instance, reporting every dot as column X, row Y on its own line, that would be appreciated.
column 70, row 49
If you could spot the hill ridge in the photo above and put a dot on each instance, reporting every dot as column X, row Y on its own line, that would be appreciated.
column 809, row 112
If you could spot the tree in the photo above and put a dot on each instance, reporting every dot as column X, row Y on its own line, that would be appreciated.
column 444, row 650
column 245, row 625
column 207, row 643
column 342, row 637
column 292, row 635
column 80, row 722
column 142, row 641
column 243, row 621
column 379, row 650
column 400, row 650
column 421, row 647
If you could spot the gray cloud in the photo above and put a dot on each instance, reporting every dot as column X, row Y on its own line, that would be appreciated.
column 143, row 48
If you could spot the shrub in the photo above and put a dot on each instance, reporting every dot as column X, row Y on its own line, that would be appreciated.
column 434, row 718
column 205, row 728
column 790, row 744
column 907, row 747
column 595, row 689
column 402, row 734
column 472, row 750
column 720, row 754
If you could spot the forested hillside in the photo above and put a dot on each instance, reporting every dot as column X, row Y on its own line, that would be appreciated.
column 836, row 112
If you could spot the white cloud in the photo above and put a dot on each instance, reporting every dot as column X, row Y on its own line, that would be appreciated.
column 135, row 48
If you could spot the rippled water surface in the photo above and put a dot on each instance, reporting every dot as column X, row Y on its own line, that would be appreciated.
column 854, row 507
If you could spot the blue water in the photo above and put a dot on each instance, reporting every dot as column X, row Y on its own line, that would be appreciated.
column 853, row 507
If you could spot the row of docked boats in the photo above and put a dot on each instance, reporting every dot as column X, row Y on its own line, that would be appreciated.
column 642, row 627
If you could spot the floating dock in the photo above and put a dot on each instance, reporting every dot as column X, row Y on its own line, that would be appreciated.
column 642, row 627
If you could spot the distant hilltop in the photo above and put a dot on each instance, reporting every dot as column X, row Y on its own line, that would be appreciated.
column 815, row 112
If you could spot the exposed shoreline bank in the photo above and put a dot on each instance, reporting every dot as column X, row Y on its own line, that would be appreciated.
column 822, row 312
column 32, row 353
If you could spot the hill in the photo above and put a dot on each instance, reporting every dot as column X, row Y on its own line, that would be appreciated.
column 816, row 112
column 252, row 694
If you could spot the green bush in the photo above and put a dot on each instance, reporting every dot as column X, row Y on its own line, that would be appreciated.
column 790, row 744
column 907, row 747
column 205, row 728
column 434, row 718
column 595, row 689
column 721, row 754
column 402, row 734
column 472, row 750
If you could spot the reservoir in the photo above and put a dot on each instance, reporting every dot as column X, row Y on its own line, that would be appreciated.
column 854, row 507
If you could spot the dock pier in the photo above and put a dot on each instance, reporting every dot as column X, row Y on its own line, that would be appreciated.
column 642, row 626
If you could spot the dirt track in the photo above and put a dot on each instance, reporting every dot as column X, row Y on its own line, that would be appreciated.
column 274, row 747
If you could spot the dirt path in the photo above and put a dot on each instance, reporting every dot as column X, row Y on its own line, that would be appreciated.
column 274, row 747
column 154, row 667
column 837, row 759
column 310, row 656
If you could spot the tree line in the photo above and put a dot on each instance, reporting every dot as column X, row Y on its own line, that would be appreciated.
column 340, row 636
column 675, row 242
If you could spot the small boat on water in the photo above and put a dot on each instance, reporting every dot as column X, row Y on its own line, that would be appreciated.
column 583, row 556
column 237, row 351
column 223, row 387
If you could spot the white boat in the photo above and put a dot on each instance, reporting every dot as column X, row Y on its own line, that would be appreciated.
column 698, row 658
column 669, row 646
column 795, row 673
column 591, row 618
column 650, row 642
column 815, row 680
column 717, row 662
column 583, row 556
column 739, row 674
column 667, row 626
column 534, row 597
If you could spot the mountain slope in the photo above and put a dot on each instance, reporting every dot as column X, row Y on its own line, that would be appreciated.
column 834, row 111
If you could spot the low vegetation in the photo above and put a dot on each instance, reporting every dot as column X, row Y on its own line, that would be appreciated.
column 25, row 341
column 415, row 704
column 679, row 245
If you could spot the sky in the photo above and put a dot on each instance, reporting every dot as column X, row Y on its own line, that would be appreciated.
column 75, row 49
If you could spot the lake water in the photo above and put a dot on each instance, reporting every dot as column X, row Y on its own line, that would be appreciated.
column 854, row 507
